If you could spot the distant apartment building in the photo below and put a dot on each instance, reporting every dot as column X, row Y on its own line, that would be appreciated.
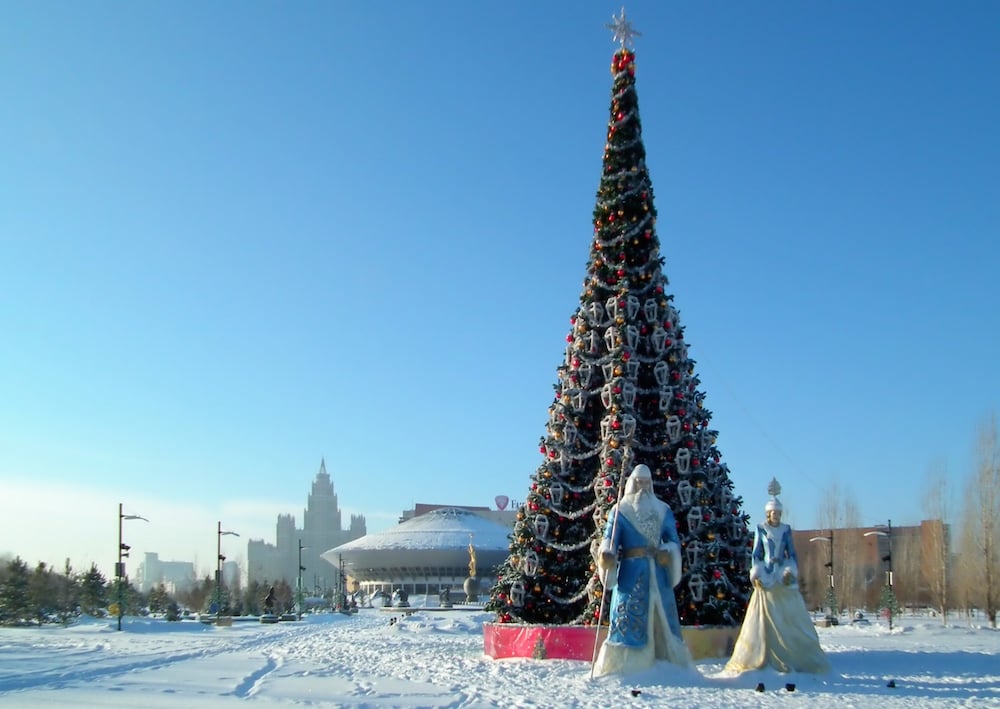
column 176, row 576
column 321, row 530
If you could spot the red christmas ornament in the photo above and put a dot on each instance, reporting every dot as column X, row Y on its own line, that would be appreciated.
column 717, row 574
column 621, row 273
column 626, row 355
column 615, row 425
column 569, row 338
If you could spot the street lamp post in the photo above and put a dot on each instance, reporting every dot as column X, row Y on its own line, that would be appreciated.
column 831, row 598
column 218, row 567
column 298, row 586
column 123, row 549
column 887, row 559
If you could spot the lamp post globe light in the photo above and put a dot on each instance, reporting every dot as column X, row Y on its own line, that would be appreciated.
column 831, row 597
column 889, row 595
column 220, row 557
column 123, row 550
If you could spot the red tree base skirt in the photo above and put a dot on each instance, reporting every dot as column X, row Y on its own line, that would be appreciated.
column 576, row 642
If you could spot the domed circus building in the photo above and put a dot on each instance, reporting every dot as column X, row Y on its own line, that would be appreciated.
column 425, row 553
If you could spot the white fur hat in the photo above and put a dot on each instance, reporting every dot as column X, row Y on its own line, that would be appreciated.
column 639, row 472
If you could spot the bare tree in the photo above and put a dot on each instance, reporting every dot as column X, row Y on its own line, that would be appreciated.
column 967, row 572
column 823, row 568
column 981, row 525
column 848, row 547
column 935, row 551
column 838, row 510
column 907, row 564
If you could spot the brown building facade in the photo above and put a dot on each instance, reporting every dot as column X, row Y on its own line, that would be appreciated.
column 858, row 563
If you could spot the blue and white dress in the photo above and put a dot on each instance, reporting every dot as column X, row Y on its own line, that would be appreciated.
column 777, row 630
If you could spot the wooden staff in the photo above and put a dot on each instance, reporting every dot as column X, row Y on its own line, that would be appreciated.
column 600, row 612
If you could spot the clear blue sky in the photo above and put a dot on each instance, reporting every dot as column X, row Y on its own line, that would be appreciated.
column 238, row 237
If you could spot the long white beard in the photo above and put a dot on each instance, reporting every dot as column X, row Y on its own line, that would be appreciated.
column 645, row 511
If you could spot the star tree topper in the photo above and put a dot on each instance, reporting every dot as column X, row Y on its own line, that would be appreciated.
column 623, row 30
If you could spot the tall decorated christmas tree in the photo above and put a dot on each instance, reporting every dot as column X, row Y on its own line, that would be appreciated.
column 627, row 393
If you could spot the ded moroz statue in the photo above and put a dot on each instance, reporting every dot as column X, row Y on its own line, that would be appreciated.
column 640, row 537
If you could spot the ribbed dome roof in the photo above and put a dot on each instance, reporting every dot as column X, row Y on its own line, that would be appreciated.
column 432, row 544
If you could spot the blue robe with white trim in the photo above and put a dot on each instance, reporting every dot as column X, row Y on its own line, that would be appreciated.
column 630, row 600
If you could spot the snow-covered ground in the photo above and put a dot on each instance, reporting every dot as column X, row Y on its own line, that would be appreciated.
column 434, row 658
